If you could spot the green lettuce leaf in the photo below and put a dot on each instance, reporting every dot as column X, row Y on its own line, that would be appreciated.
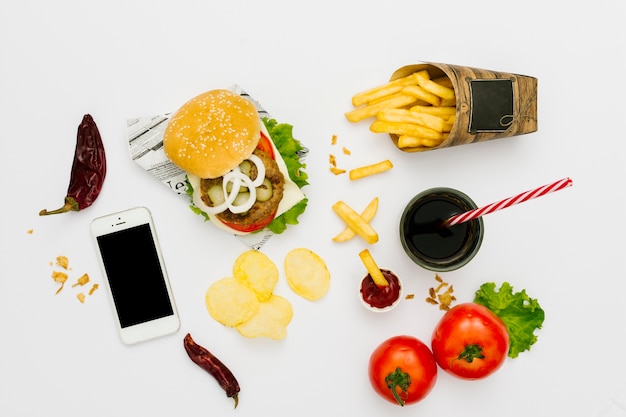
column 521, row 314
column 289, row 148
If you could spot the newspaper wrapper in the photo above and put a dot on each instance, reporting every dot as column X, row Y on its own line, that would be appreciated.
column 489, row 104
column 145, row 144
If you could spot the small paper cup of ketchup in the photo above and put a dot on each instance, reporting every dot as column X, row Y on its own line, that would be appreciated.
column 380, row 299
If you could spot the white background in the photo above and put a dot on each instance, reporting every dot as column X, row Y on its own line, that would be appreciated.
column 303, row 61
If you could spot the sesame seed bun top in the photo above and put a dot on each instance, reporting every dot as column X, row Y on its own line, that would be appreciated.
column 212, row 133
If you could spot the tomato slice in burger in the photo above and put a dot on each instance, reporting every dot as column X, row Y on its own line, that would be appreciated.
column 261, row 224
column 266, row 146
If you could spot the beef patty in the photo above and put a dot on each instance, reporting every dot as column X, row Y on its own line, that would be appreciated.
column 260, row 209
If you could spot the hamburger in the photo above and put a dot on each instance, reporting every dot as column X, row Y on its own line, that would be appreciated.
column 244, row 173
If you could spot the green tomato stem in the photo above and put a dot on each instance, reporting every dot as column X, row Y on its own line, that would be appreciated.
column 400, row 379
column 471, row 352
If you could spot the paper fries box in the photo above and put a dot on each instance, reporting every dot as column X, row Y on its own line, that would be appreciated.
column 489, row 104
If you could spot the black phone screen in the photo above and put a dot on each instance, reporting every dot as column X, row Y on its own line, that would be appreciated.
column 136, row 279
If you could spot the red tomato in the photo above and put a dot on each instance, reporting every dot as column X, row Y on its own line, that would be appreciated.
column 402, row 370
column 470, row 341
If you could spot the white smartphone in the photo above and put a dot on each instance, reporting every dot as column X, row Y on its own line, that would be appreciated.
column 139, row 288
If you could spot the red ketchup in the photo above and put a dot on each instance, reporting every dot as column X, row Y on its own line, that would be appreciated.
column 380, row 297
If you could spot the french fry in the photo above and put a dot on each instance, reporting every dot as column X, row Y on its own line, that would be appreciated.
column 448, row 102
column 424, row 123
column 434, row 88
column 367, row 214
column 435, row 111
column 410, row 129
column 370, row 110
column 376, row 92
column 444, row 81
column 355, row 222
column 405, row 141
column 372, row 268
column 421, row 93
column 406, row 116
column 367, row 170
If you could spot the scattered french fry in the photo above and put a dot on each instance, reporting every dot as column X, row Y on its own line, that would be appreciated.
column 367, row 214
column 355, row 222
column 372, row 268
column 367, row 170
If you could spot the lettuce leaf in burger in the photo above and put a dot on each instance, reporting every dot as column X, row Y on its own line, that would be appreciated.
column 244, row 174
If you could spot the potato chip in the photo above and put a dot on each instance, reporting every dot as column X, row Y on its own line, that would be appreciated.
column 270, row 320
column 307, row 274
column 231, row 302
column 257, row 271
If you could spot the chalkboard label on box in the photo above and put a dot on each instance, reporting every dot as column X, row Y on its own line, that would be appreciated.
column 491, row 105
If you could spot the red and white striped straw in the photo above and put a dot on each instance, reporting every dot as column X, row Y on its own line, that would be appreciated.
column 520, row 198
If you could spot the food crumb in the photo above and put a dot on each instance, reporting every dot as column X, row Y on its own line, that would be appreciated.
column 30, row 231
column 409, row 296
column 84, row 279
column 437, row 297
column 346, row 151
column 333, row 140
column 63, row 261
column 337, row 171
column 60, row 277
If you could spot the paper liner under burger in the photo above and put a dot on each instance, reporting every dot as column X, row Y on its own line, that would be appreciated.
column 489, row 104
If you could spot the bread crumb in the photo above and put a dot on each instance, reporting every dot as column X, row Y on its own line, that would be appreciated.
column 60, row 277
column 81, row 297
column 337, row 171
column 84, row 279
column 63, row 261
column 437, row 296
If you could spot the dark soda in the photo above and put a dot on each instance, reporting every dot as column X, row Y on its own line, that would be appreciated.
column 428, row 241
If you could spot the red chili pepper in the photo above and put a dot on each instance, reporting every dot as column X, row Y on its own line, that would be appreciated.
column 207, row 361
column 88, row 169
